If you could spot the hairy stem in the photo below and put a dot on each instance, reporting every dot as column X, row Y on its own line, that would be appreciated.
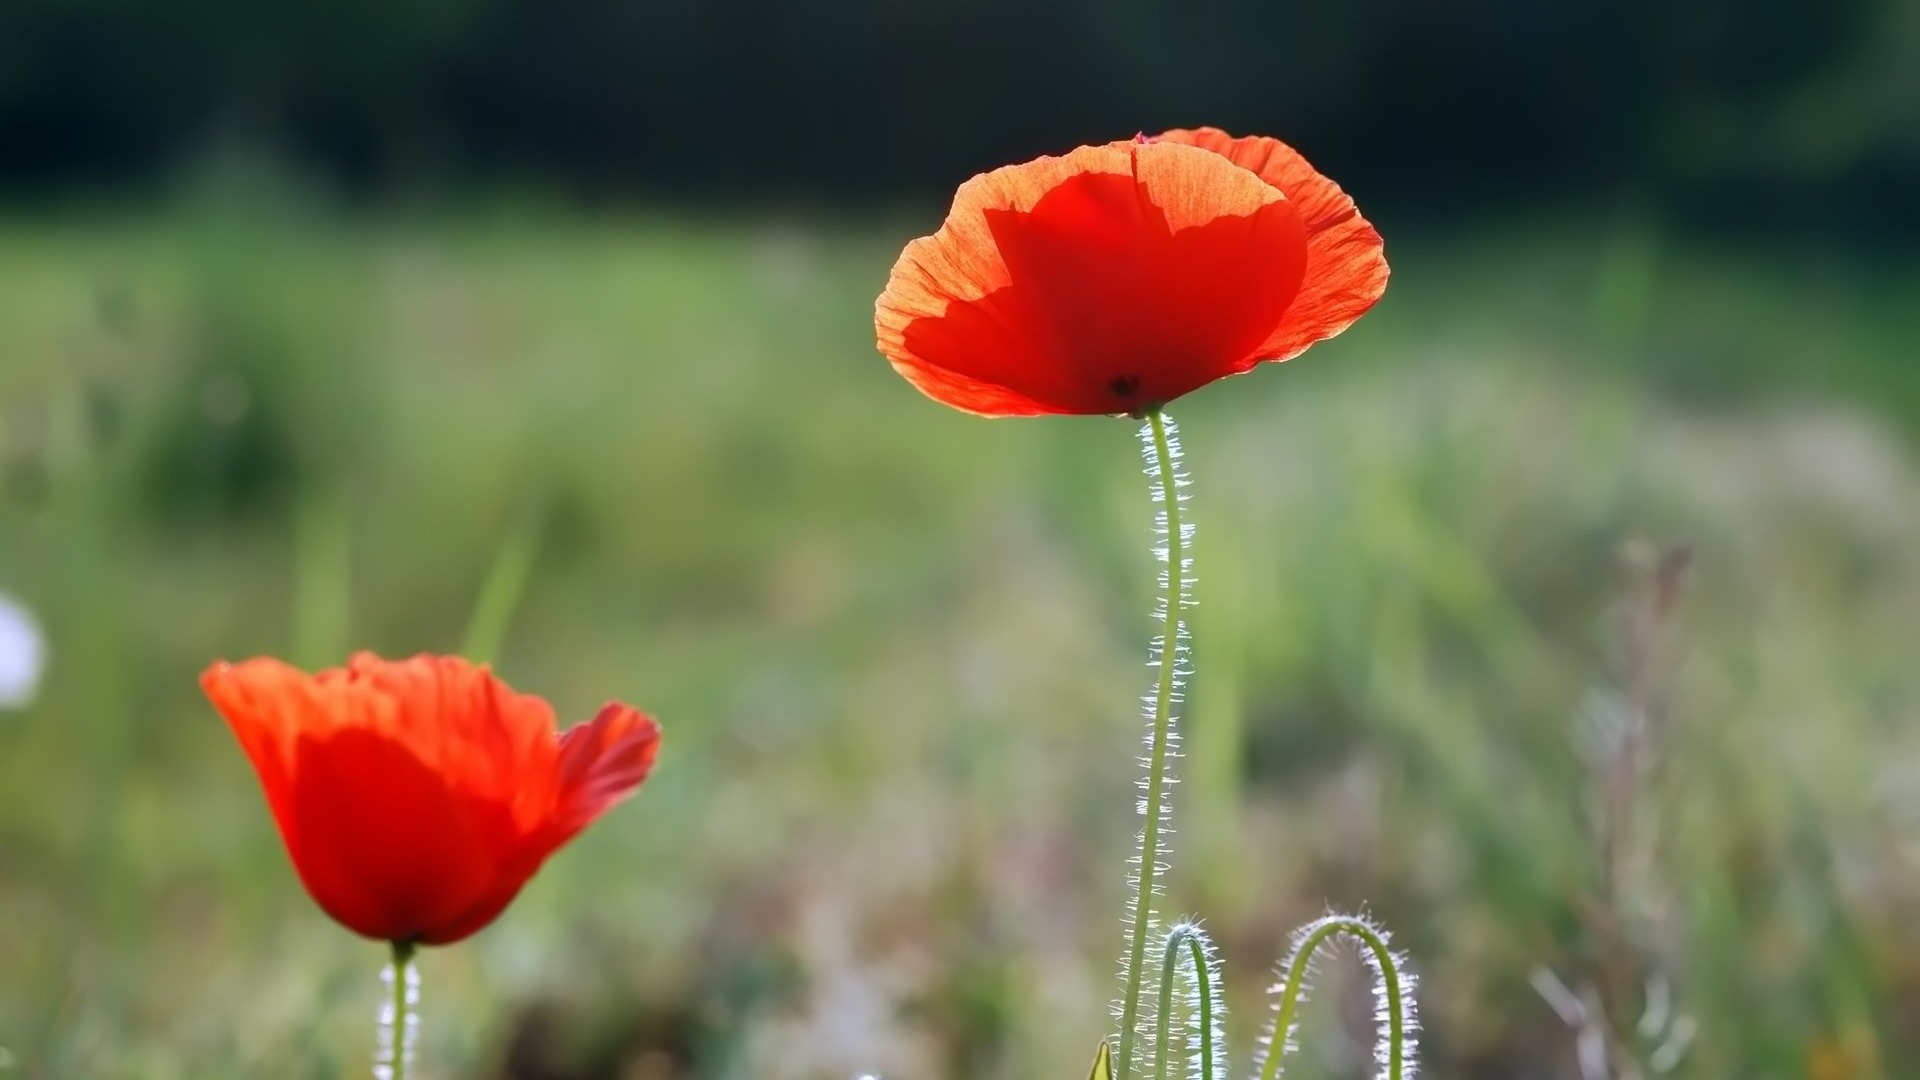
column 1393, row 984
column 1163, row 469
column 1192, row 941
column 398, row 1023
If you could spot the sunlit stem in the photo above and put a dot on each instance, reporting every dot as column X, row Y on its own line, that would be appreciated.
column 1168, row 496
column 399, row 1023
column 1395, row 987
column 1189, row 941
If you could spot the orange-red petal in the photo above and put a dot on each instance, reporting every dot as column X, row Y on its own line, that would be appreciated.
column 601, row 761
column 1111, row 279
column 1346, row 269
column 416, row 797
column 386, row 846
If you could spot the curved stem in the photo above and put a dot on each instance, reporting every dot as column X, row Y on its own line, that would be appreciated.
column 1395, row 989
column 1189, row 937
column 1169, row 496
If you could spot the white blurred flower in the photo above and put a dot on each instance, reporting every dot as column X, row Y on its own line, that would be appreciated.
column 23, row 655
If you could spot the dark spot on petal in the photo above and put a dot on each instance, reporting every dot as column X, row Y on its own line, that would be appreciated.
column 1124, row 385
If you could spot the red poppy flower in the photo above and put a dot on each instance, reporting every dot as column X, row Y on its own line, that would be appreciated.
column 1116, row 278
column 416, row 797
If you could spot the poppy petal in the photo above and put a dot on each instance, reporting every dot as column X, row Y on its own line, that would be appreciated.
column 1346, row 259
column 479, row 914
column 601, row 762
column 416, row 797
column 385, row 846
column 264, row 702
column 460, row 718
column 1107, row 280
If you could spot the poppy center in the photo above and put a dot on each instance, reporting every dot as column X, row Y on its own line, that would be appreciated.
column 1124, row 385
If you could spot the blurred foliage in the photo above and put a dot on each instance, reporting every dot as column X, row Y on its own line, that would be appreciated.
column 896, row 649
column 1810, row 112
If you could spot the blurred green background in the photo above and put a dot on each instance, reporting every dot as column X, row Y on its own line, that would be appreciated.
column 543, row 331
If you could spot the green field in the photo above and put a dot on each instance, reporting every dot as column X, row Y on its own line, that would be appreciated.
column 897, row 650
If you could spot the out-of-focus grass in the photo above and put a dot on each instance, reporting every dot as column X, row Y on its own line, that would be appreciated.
column 896, row 649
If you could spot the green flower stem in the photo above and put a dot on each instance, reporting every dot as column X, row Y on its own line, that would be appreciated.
column 1293, row 989
column 1186, row 937
column 1162, row 724
column 397, row 1036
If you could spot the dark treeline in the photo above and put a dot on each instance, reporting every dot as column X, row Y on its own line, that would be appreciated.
column 1447, row 102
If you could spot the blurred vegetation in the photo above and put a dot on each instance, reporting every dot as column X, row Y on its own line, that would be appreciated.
column 1755, row 109
column 897, row 649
